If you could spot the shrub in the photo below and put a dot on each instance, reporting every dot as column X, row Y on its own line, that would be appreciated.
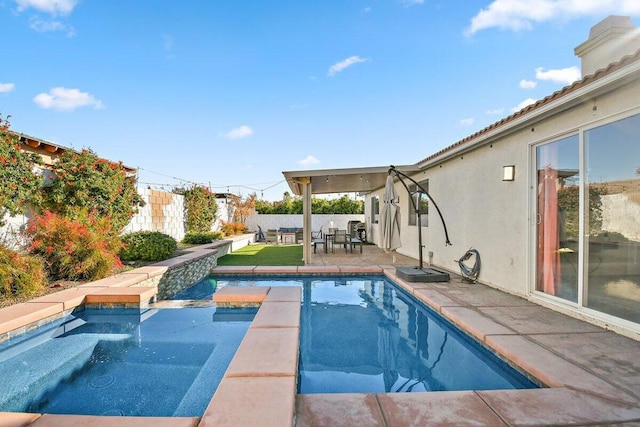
column 20, row 275
column 147, row 246
column 232, row 228
column 84, row 248
column 201, row 207
column 19, row 185
column 202, row 238
column 85, row 182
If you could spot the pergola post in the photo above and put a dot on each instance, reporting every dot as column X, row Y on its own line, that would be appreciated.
column 306, row 219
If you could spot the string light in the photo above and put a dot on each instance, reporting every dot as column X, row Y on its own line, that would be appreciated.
column 251, row 187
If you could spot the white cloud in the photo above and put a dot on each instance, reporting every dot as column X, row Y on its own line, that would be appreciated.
column 309, row 160
column 63, row 99
column 523, row 104
column 52, row 7
column 342, row 65
column 467, row 122
column 6, row 87
column 528, row 84
column 411, row 2
column 563, row 76
column 495, row 112
column 367, row 9
column 44, row 26
column 519, row 15
column 239, row 133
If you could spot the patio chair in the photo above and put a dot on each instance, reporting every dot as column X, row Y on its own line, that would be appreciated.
column 317, row 241
column 272, row 236
column 354, row 240
column 317, row 234
column 340, row 238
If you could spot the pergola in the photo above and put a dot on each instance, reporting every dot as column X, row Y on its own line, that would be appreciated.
column 327, row 181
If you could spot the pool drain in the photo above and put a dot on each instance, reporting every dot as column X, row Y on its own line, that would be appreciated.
column 102, row 381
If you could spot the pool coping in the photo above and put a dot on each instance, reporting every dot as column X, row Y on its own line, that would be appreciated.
column 265, row 390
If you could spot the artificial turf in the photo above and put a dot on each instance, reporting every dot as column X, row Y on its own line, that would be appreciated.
column 264, row 255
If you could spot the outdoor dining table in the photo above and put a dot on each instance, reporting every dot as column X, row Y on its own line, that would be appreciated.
column 328, row 237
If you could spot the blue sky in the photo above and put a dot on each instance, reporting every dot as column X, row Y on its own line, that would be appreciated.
column 232, row 93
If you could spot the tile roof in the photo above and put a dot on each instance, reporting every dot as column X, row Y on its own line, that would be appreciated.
column 587, row 80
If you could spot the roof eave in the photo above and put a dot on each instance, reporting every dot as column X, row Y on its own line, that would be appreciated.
column 524, row 118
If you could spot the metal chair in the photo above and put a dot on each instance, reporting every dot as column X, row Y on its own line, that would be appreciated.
column 340, row 238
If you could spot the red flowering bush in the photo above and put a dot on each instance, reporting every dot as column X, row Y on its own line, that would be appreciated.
column 83, row 248
column 19, row 185
column 85, row 182
column 20, row 275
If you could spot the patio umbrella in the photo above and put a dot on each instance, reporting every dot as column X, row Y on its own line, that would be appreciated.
column 390, row 218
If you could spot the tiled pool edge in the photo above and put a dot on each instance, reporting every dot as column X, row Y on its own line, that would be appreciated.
column 574, row 395
column 259, row 385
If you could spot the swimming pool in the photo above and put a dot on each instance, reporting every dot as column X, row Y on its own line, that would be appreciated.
column 157, row 362
column 362, row 334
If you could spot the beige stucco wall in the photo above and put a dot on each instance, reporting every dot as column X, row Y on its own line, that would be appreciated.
column 491, row 215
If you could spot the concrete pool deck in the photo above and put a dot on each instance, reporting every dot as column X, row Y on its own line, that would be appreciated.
column 592, row 376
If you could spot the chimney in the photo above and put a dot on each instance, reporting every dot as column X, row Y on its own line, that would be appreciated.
column 608, row 42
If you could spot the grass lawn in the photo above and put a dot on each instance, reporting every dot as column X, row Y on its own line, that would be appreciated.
column 264, row 255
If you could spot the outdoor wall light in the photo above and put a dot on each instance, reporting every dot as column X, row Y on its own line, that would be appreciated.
column 508, row 173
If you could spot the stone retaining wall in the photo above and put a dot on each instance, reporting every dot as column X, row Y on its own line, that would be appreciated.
column 183, row 273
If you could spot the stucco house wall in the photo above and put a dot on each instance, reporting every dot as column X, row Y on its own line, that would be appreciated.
column 492, row 215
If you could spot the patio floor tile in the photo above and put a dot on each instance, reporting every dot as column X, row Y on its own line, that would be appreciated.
column 275, row 269
column 435, row 299
column 452, row 408
column 479, row 295
column 277, row 315
column 149, row 270
column 17, row 419
column 556, row 406
column 537, row 320
column 120, row 280
column 360, row 269
column 266, row 352
column 245, row 294
column 284, row 294
column 476, row 324
column 18, row 315
column 121, row 295
column 338, row 410
column 607, row 354
column 319, row 269
column 230, row 269
column 69, row 298
column 552, row 369
column 264, row 402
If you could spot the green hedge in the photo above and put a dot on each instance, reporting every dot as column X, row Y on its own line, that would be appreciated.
column 202, row 238
column 147, row 246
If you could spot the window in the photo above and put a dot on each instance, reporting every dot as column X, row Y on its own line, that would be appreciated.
column 424, row 204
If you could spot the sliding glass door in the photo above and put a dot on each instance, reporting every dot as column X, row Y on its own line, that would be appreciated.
column 588, row 232
column 612, row 218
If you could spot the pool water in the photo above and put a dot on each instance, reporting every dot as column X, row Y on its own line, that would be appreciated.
column 363, row 334
column 160, row 362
